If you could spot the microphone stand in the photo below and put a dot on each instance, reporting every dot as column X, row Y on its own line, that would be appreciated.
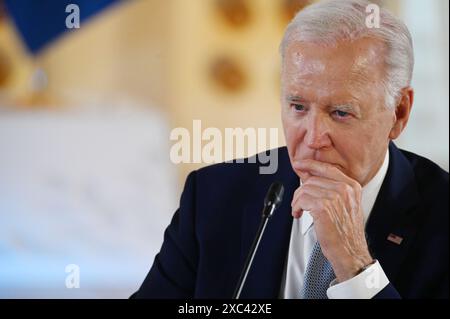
column 271, row 202
column 252, row 253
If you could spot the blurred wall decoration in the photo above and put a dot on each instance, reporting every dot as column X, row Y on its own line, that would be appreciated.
column 5, row 67
column 236, row 13
column 227, row 74
column 86, row 114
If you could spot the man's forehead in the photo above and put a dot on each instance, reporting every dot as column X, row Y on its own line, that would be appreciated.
column 300, row 61
column 357, row 63
column 355, row 56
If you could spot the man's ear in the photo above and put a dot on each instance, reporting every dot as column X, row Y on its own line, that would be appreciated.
column 402, row 112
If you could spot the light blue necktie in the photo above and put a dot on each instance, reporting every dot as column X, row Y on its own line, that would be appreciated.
column 318, row 275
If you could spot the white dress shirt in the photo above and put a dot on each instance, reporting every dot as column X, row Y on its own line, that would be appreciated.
column 303, row 237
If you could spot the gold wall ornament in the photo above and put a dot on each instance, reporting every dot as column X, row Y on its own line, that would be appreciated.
column 5, row 69
column 5, row 65
column 228, row 74
column 235, row 13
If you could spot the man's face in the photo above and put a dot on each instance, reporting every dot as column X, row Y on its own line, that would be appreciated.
column 333, row 106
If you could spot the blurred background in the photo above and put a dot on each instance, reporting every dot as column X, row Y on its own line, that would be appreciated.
column 86, row 114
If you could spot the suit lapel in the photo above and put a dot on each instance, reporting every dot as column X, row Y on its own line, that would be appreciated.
column 264, row 278
column 394, row 215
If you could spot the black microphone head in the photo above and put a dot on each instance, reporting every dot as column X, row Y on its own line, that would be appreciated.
column 274, row 195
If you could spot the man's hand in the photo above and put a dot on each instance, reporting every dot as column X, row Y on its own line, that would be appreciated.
column 334, row 202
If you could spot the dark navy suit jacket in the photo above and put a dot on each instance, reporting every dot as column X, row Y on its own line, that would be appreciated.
column 210, row 234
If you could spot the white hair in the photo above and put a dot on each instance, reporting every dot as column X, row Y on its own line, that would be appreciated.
column 329, row 22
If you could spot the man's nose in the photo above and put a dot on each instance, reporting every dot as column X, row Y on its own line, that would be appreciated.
column 317, row 132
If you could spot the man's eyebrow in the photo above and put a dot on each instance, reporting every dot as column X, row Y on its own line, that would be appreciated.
column 295, row 98
column 344, row 106
column 349, row 106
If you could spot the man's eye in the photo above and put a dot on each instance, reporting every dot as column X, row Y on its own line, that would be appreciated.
column 298, row 107
column 341, row 114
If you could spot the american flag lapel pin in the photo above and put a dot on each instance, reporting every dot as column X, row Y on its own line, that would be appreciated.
column 395, row 239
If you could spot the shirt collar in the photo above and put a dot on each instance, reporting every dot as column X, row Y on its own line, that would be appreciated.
column 368, row 197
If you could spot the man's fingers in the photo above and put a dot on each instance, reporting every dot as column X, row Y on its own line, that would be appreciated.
column 305, row 203
column 323, row 182
column 304, row 175
column 344, row 189
column 308, row 198
column 321, row 169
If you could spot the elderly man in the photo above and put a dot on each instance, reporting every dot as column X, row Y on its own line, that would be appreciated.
column 360, row 219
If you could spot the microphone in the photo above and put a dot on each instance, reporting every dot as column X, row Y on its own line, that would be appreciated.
column 272, row 200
